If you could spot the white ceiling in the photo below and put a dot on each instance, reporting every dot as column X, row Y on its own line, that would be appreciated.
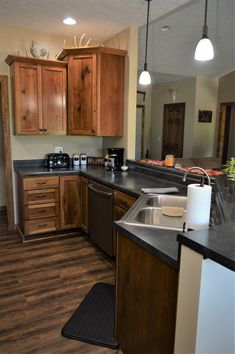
column 172, row 52
column 169, row 52
column 100, row 19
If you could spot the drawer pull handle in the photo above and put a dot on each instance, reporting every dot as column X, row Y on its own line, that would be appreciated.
column 41, row 196
column 42, row 225
column 40, row 183
column 41, row 211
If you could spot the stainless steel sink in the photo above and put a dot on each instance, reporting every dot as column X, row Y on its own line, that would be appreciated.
column 156, row 211
column 160, row 200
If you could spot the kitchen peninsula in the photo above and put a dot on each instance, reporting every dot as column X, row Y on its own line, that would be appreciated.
column 156, row 252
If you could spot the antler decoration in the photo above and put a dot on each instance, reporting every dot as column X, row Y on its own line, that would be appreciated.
column 172, row 91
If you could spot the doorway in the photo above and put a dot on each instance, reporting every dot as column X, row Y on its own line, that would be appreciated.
column 225, row 138
column 139, row 138
column 173, row 129
column 7, row 160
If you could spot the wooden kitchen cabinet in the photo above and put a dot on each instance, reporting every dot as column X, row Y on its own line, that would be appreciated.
column 121, row 203
column 69, row 202
column 84, row 203
column 146, row 298
column 47, row 205
column 39, row 91
column 95, row 90
column 38, row 205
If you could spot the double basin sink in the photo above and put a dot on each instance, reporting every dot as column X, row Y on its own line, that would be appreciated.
column 160, row 211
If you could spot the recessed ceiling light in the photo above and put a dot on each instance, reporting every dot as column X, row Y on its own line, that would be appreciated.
column 165, row 28
column 69, row 21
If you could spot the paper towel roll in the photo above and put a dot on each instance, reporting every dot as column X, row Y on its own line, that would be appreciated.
column 198, row 206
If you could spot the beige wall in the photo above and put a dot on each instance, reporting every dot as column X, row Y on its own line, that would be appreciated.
column 185, row 92
column 127, row 40
column 204, row 133
column 14, row 41
column 147, row 103
column 227, row 88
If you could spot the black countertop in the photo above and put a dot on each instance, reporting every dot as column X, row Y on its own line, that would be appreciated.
column 216, row 243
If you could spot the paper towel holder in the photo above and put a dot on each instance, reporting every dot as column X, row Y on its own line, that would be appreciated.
column 200, row 169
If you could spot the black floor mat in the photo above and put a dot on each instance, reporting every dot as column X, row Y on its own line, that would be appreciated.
column 93, row 321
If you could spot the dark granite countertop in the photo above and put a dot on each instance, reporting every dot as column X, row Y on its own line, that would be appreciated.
column 216, row 243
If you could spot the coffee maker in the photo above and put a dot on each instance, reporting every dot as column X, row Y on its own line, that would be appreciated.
column 115, row 158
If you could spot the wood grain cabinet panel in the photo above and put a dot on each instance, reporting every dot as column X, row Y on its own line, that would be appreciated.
column 95, row 90
column 48, row 205
column 70, row 202
column 146, row 298
column 39, row 91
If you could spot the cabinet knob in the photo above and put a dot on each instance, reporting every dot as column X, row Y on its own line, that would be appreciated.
column 93, row 130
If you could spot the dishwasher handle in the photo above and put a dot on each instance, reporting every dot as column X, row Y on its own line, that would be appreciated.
column 99, row 191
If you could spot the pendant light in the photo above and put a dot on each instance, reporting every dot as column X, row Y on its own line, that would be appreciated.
column 145, row 78
column 204, row 50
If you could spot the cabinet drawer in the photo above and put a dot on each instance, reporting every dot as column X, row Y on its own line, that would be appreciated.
column 41, row 196
column 41, row 182
column 124, row 200
column 36, row 211
column 44, row 225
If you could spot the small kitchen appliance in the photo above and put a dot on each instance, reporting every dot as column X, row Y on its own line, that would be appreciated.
column 57, row 160
column 115, row 158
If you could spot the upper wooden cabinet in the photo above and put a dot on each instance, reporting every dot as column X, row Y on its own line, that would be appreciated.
column 95, row 90
column 39, row 89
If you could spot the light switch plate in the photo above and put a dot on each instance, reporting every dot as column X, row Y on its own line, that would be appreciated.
column 58, row 149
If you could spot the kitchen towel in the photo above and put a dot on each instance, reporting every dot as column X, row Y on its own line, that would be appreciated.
column 198, row 206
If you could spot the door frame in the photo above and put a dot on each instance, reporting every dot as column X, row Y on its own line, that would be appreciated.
column 142, row 107
column 223, row 130
column 4, row 110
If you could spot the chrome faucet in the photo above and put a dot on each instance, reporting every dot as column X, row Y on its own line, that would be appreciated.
column 200, row 169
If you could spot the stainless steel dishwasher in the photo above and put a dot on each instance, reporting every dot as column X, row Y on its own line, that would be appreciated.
column 100, row 203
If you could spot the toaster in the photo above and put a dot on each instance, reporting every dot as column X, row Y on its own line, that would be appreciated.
column 57, row 160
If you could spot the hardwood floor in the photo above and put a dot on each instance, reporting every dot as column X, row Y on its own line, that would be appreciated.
column 41, row 284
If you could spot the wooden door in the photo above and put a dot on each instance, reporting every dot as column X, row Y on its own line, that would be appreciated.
column 173, row 129
column 69, row 202
column 84, row 203
column 82, row 94
column 54, row 100
column 27, row 98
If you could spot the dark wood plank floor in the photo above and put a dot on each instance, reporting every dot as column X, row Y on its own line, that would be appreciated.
column 41, row 284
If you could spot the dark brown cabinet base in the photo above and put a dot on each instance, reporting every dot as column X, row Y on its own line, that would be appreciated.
column 146, row 297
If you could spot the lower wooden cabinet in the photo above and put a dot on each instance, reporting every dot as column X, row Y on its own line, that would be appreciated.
column 121, row 203
column 84, row 203
column 146, row 298
column 48, row 204
column 69, row 202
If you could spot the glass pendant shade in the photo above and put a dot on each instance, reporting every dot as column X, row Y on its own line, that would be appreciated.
column 204, row 50
column 145, row 78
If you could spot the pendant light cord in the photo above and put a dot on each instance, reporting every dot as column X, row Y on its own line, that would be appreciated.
column 146, row 42
column 205, row 30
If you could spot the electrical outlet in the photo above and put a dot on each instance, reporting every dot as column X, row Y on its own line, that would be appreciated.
column 58, row 149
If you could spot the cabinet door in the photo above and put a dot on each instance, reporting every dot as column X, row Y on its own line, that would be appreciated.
column 27, row 98
column 69, row 202
column 146, row 298
column 82, row 94
column 54, row 100
column 84, row 203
